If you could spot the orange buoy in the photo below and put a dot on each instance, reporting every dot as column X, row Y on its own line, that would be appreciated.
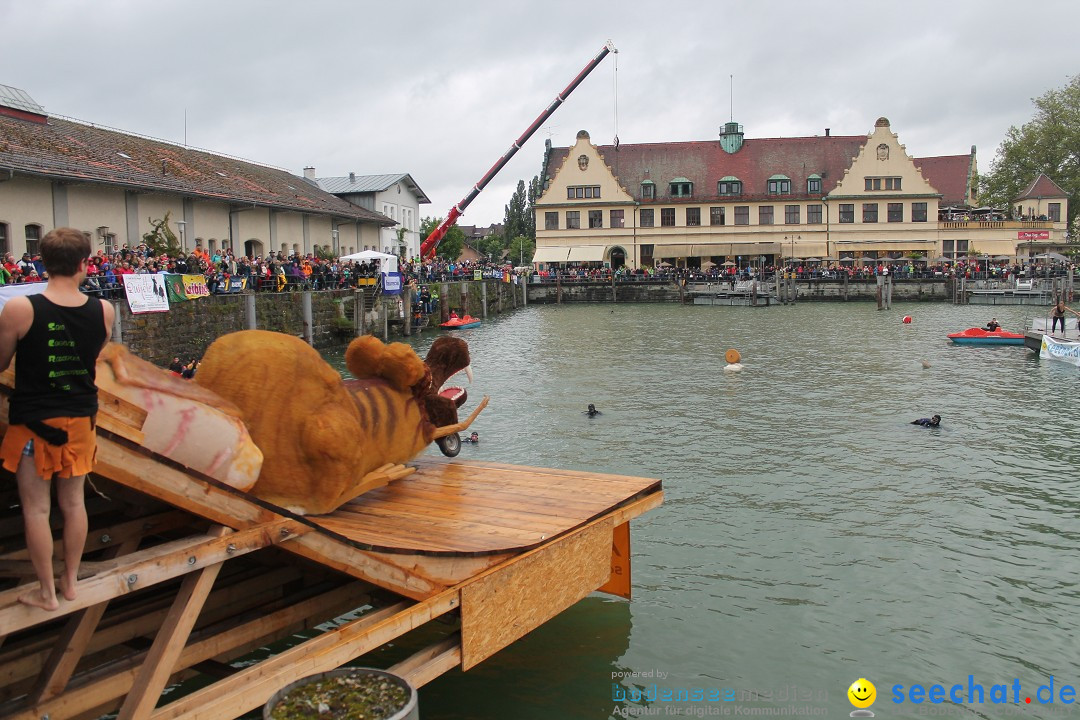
column 732, row 356
column 907, row 319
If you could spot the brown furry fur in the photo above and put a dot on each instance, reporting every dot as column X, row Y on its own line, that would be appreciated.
column 319, row 434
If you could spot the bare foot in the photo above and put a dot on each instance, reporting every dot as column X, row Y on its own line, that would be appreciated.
column 67, row 589
column 38, row 598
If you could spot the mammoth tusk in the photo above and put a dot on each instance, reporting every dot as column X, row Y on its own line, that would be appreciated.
column 458, row 427
column 468, row 373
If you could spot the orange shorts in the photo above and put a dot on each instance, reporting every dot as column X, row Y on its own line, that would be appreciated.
column 74, row 458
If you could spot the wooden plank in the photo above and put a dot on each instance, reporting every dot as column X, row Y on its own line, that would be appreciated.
column 73, row 641
column 507, row 602
column 170, row 639
column 106, row 537
column 104, row 687
column 27, row 657
column 619, row 581
column 253, row 686
column 148, row 567
column 443, row 570
column 431, row 662
column 465, row 467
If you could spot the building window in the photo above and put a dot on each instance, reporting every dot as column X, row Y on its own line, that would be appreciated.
column 648, row 190
column 890, row 183
column 573, row 220
column 869, row 212
column 779, row 187
column 765, row 215
column 729, row 187
column 918, row 212
column 617, row 219
column 847, row 212
column 693, row 217
column 896, row 212
column 813, row 185
column 813, row 214
column 742, row 214
column 4, row 247
column 954, row 249
column 681, row 189
column 33, row 239
column 577, row 192
column 596, row 219
column 667, row 217
column 551, row 221
column 716, row 216
column 791, row 214
column 647, row 218
column 1053, row 212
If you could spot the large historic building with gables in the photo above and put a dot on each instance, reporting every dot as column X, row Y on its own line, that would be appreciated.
column 113, row 185
column 745, row 200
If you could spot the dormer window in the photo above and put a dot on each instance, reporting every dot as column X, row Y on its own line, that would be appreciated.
column 813, row 185
column 648, row 190
column 729, row 185
column 680, row 187
column 779, row 185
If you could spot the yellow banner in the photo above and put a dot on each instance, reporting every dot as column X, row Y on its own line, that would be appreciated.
column 195, row 286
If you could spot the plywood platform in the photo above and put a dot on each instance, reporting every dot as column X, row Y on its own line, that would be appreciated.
column 478, row 508
column 183, row 575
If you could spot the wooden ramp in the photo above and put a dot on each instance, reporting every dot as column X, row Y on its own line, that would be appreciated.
column 185, row 576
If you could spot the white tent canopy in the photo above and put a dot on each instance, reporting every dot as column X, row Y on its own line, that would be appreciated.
column 387, row 262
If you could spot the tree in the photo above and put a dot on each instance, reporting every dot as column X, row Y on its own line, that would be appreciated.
column 1049, row 143
column 491, row 246
column 521, row 250
column 452, row 242
column 536, row 189
column 161, row 239
column 516, row 221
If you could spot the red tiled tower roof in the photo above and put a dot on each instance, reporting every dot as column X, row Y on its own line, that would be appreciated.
column 1043, row 187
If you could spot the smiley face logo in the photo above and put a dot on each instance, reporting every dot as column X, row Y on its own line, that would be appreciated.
column 862, row 694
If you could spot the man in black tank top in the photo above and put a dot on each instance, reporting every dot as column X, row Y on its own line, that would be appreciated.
column 57, row 336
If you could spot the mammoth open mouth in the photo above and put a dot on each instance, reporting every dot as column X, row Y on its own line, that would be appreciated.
column 456, row 394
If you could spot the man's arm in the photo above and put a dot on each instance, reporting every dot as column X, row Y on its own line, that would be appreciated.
column 15, row 322
column 110, row 317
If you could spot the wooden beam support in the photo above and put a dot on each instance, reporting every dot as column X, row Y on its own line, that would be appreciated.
column 148, row 567
column 431, row 662
column 73, row 640
column 253, row 686
column 170, row 640
column 100, row 688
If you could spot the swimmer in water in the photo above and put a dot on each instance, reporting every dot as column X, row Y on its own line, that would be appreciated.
column 928, row 422
column 474, row 438
column 592, row 411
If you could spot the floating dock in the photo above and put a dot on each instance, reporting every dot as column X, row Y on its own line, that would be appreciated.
column 183, row 576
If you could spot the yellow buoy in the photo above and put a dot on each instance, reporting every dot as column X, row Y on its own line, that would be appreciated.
column 732, row 356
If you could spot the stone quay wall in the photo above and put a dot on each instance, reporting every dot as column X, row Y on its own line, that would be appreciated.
column 336, row 316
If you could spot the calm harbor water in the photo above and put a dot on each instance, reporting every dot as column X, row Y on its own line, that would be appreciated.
column 810, row 535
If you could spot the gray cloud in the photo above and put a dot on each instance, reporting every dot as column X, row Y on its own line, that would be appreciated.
column 440, row 89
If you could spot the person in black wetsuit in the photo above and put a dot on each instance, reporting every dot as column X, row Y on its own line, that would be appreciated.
column 928, row 422
column 592, row 411
column 993, row 325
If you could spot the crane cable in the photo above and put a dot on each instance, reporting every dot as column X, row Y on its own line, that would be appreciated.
column 615, row 83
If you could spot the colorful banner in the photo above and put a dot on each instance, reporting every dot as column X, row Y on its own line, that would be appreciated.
column 477, row 274
column 1067, row 351
column 1032, row 234
column 146, row 293
column 185, row 287
column 236, row 284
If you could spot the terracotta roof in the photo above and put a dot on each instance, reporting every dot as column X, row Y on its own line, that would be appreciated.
column 1043, row 187
column 949, row 175
column 477, row 232
column 705, row 162
column 70, row 150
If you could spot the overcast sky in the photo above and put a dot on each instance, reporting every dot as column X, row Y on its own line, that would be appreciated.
column 441, row 89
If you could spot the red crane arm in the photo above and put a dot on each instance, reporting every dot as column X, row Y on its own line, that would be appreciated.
column 427, row 248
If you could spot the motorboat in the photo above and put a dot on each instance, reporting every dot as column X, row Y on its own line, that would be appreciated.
column 981, row 336
column 461, row 323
